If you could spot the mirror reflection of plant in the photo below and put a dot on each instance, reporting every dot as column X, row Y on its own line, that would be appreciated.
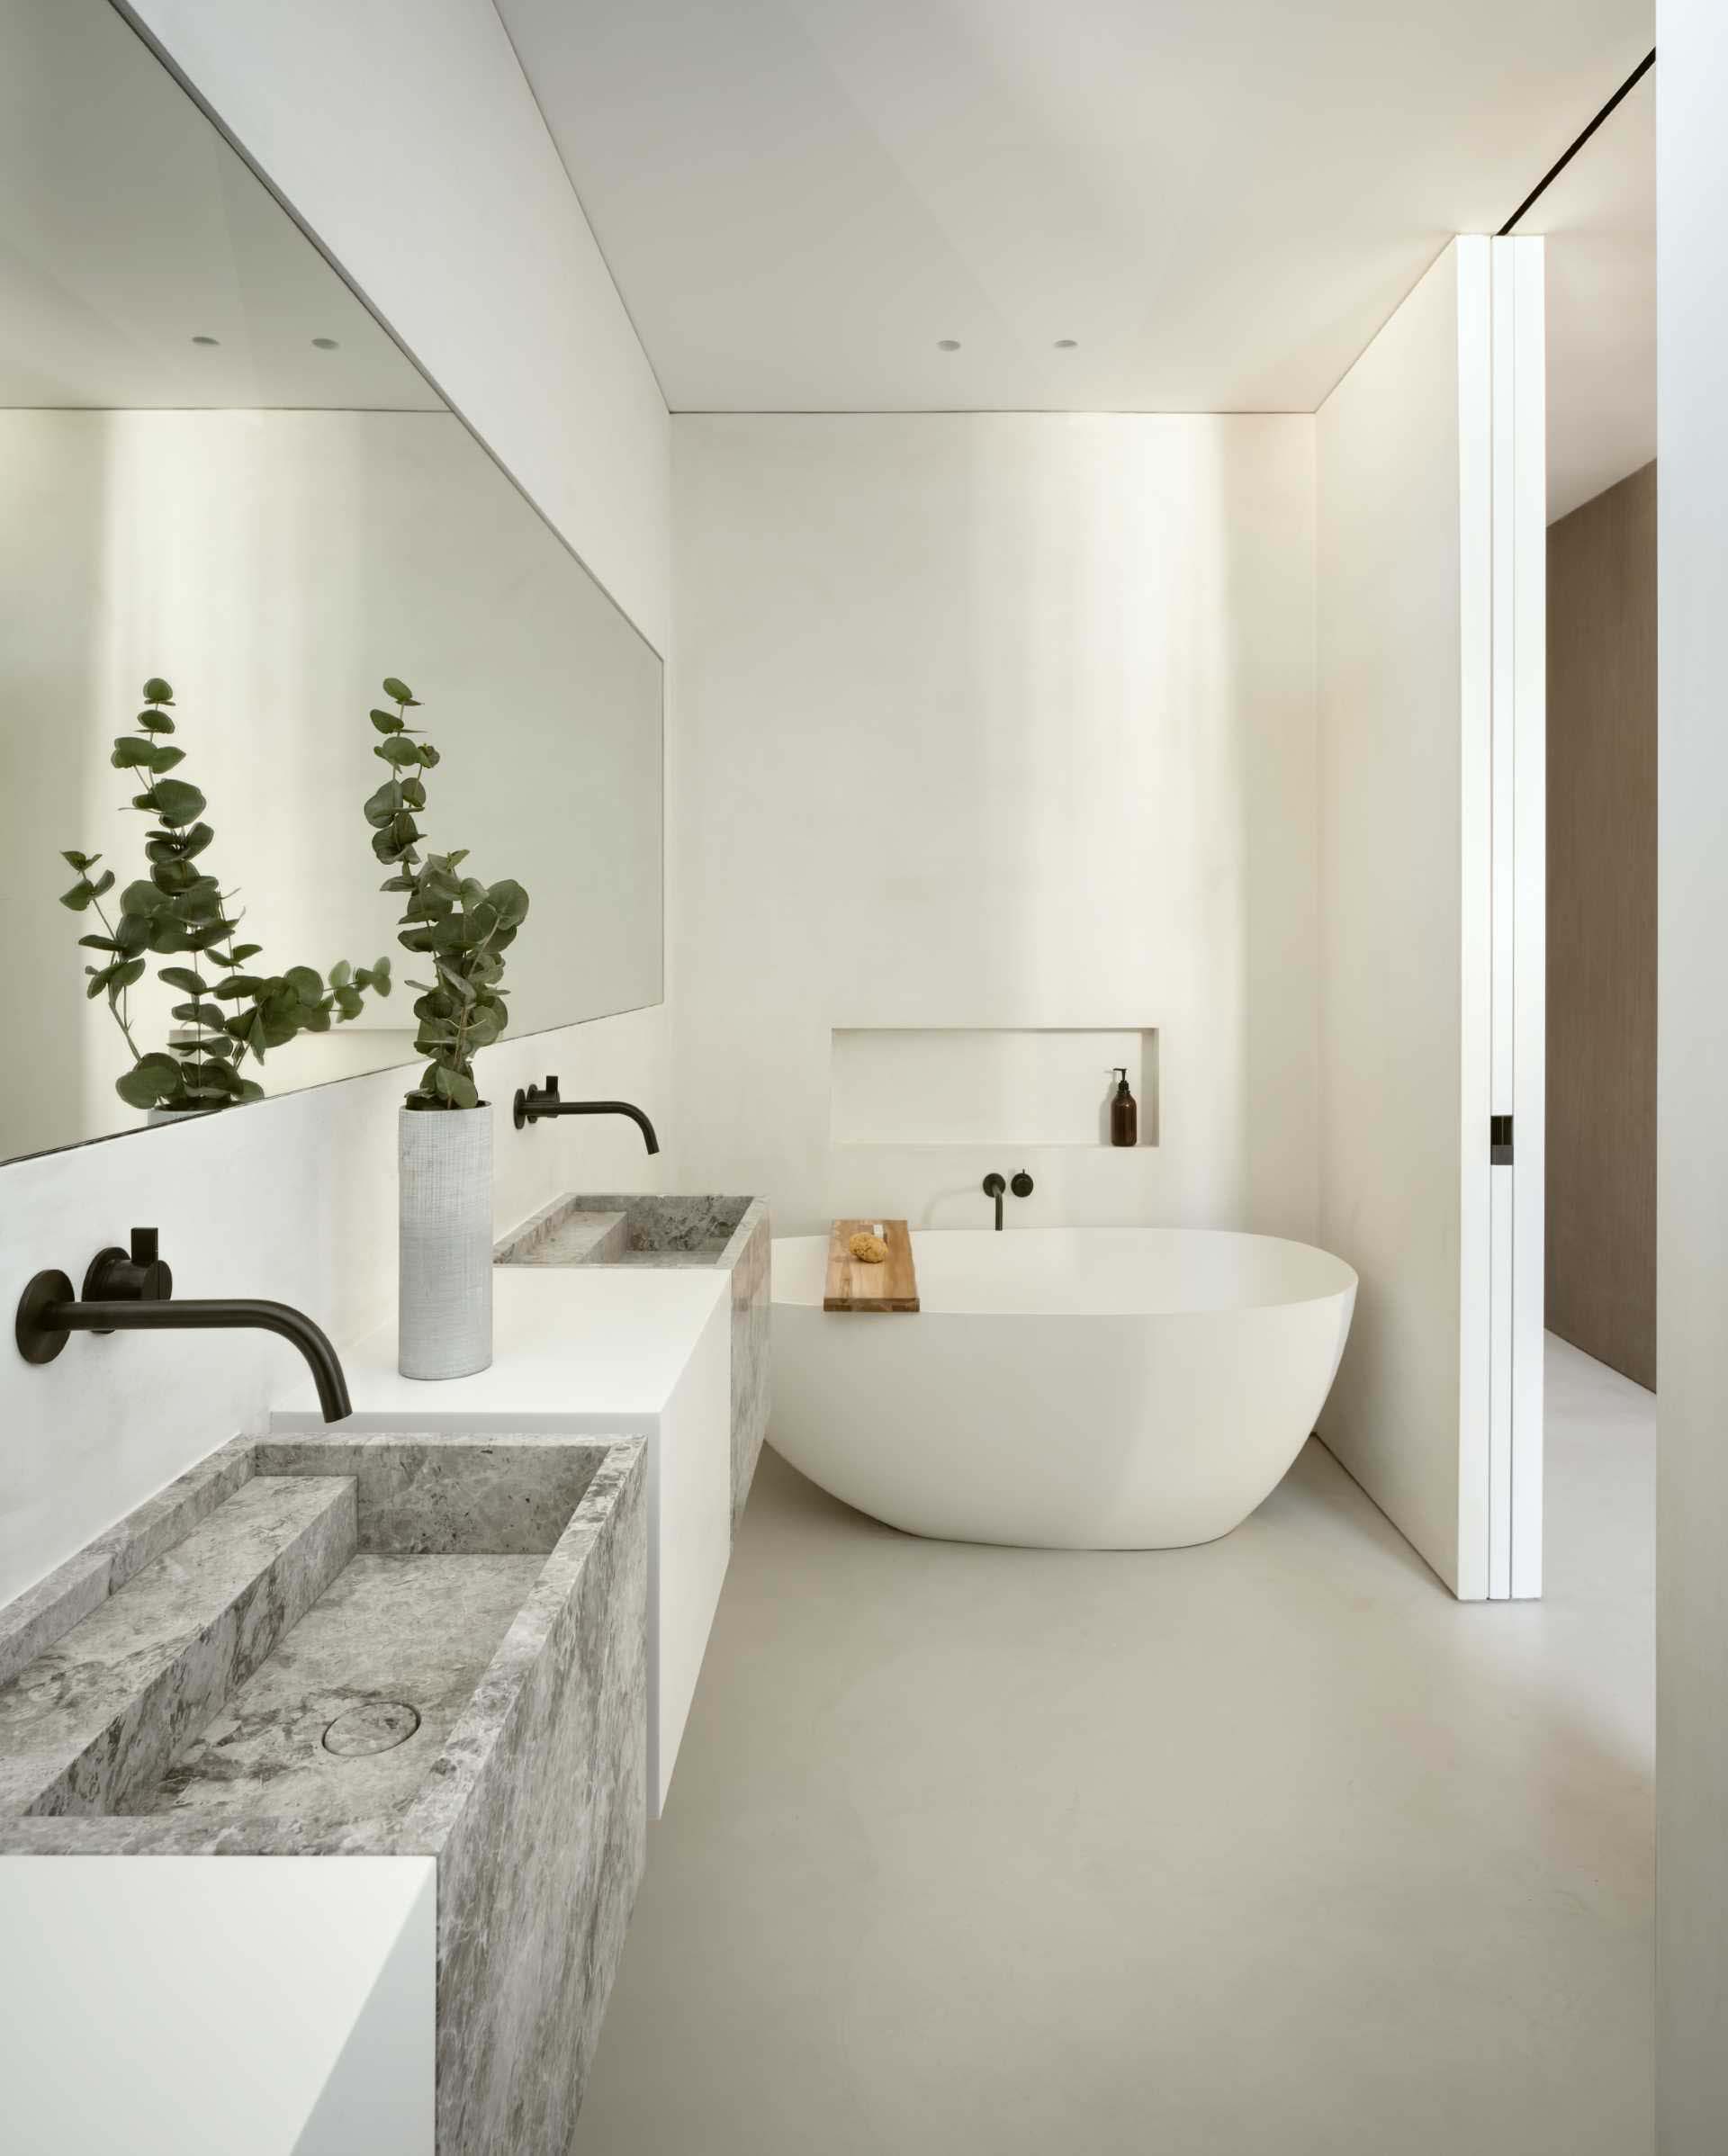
column 180, row 907
column 462, row 925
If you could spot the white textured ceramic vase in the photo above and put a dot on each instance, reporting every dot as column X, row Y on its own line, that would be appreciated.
column 445, row 1216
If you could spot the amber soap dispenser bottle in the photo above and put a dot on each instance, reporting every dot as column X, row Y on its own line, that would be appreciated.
column 1124, row 1116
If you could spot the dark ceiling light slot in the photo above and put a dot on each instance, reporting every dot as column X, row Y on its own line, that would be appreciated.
column 1555, row 170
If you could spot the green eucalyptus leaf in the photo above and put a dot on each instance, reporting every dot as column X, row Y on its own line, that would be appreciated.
column 177, row 846
column 398, row 691
column 131, row 754
column 80, row 861
column 153, row 1080
column 123, row 975
column 182, row 977
column 511, row 901
column 455, row 1088
column 383, row 804
column 397, row 749
column 157, row 691
column 144, row 899
column 386, row 721
column 175, row 802
column 155, row 722
column 78, row 897
column 99, row 943
column 247, row 950
column 165, row 759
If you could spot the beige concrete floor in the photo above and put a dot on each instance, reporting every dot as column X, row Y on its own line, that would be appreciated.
column 1268, row 1848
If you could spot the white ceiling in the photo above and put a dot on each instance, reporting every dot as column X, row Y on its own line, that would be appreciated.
column 128, row 227
column 1600, row 217
column 1220, row 203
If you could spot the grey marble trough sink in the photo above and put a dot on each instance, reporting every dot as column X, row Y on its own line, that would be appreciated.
column 329, row 1646
column 645, row 1230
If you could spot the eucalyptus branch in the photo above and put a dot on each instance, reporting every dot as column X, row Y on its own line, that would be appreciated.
column 180, row 907
column 462, row 925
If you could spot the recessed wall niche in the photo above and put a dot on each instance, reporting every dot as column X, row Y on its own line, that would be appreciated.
column 987, row 1085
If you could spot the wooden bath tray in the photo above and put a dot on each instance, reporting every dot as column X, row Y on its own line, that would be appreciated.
column 890, row 1286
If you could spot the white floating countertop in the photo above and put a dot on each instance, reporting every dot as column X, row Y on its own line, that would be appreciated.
column 571, row 1347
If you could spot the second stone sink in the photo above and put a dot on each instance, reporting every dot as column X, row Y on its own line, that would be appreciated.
column 642, row 1229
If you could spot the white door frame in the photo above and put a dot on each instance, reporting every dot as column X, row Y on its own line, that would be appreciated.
column 1503, row 463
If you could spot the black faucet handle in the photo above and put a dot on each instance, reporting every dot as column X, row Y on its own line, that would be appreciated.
column 533, row 1101
column 134, row 1276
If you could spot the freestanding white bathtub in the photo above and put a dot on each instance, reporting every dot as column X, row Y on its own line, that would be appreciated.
column 1075, row 1389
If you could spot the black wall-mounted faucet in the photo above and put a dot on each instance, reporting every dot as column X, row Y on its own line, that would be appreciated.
column 132, row 1291
column 994, row 1187
column 535, row 1101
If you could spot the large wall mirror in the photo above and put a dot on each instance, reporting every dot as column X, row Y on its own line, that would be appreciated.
column 220, row 471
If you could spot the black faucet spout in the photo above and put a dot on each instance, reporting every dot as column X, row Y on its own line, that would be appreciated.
column 534, row 1102
column 134, row 1293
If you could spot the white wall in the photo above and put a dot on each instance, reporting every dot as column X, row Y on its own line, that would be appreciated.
column 1692, row 1057
column 1392, row 684
column 998, row 721
column 405, row 135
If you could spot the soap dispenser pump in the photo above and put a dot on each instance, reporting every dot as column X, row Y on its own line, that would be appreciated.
column 1124, row 1115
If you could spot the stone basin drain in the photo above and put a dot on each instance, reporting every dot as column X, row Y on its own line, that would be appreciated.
column 377, row 1726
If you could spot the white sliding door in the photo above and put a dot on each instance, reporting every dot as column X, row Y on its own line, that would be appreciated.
column 1431, row 663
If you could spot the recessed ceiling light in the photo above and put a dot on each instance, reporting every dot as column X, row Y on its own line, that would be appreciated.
column 947, row 344
column 206, row 340
column 1066, row 344
column 325, row 344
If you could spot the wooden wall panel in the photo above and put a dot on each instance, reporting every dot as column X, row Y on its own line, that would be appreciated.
column 1601, row 1264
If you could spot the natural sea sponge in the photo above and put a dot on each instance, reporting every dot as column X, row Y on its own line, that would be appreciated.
column 868, row 1249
